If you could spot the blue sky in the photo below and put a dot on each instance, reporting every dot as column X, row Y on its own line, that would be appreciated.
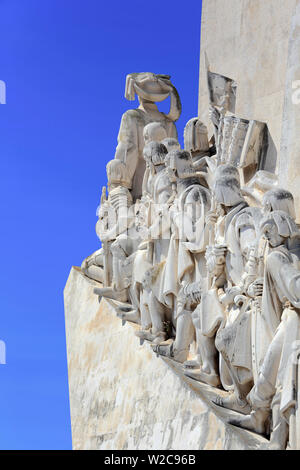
column 64, row 64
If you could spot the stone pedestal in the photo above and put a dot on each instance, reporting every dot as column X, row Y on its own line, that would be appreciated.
column 124, row 397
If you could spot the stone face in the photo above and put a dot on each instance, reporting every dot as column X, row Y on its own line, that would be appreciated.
column 256, row 43
column 124, row 397
column 201, row 251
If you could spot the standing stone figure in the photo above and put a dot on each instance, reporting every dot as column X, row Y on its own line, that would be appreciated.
column 150, row 89
column 184, row 263
column 245, row 336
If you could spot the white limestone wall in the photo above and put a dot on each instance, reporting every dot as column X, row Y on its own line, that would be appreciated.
column 256, row 42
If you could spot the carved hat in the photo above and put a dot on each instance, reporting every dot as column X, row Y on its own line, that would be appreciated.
column 195, row 136
column 180, row 161
column 155, row 88
column 149, row 86
column 117, row 173
column 171, row 144
column 178, row 154
column 227, row 191
column 154, row 131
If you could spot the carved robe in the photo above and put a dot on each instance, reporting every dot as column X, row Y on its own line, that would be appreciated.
column 237, row 230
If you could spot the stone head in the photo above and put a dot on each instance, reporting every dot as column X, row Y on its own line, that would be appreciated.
column 155, row 153
column 148, row 86
column 227, row 170
column 153, row 88
column 196, row 136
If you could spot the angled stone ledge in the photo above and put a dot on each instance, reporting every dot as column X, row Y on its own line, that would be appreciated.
column 124, row 397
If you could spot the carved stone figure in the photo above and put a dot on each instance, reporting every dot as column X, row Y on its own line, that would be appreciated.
column 275, row 388
column 234, row 230
column 200, row 248
column 184, row 264
column 244, row 356
column 112, row 221
column 157, row 192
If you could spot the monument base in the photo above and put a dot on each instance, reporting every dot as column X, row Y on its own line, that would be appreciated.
column 124, row 397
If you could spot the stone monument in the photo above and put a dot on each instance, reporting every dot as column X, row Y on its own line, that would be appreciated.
column 183, row 329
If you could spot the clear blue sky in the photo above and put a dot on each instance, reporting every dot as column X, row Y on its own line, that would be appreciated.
column 64, row 63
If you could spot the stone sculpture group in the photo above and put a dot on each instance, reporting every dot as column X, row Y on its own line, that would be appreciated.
column 200, row 248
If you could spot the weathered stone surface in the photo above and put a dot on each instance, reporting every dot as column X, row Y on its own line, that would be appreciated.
column 198, row 261
column 256, row 42
column 123, row 397
column 289, row 163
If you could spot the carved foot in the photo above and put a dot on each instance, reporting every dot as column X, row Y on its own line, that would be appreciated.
column 132, row 316
column 255, row 421
column 168, row 350
column 147, row 335
column 144, row 335
column 197, row 374
column 231, row 402
column 110, row 293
